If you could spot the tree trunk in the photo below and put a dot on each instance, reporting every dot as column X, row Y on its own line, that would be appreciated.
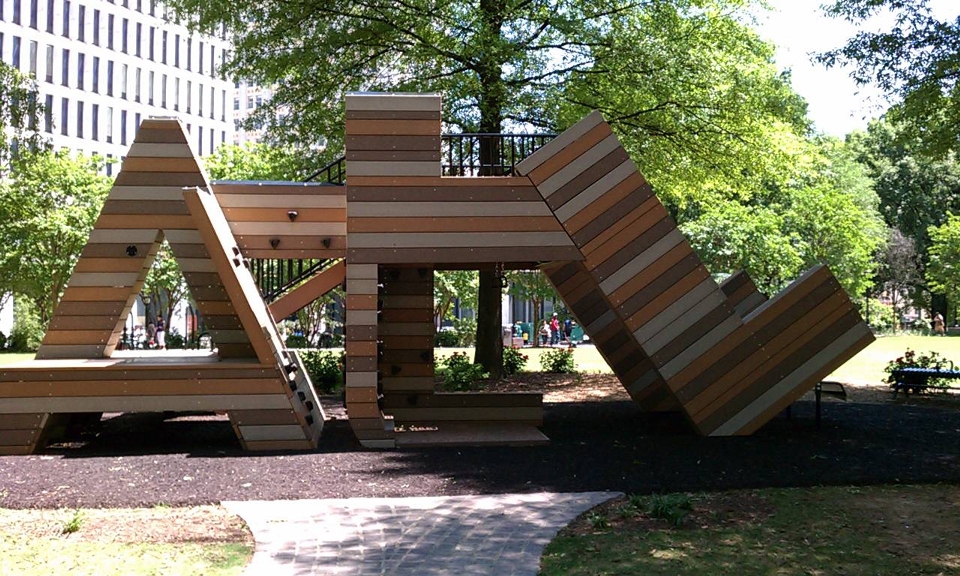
column 492, row 97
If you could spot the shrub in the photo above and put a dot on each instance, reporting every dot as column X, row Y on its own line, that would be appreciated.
column 911, row 359
column 671, row 507
column 514, row 360
column 598, row 521
column 446, row 339
column 297, row 341
column 174, row 340
column 466, row 331
column 459, row 373
column 881, row 316
column 3, row 341
column 325, row 368
column 27, row 332
column 558, row 361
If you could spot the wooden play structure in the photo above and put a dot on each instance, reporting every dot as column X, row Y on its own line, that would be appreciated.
column 723, row 355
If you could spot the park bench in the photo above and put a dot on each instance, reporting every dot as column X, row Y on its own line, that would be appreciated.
column 824, row 388
column 918, row 379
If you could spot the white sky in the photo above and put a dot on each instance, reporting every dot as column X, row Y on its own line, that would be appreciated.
column 799, row 28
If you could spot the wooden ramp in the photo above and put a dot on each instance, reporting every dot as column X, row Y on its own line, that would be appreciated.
column 268, row 395
column 731, row 362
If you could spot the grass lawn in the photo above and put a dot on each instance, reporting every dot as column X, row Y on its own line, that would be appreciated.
column 866, row 368
column 845, row 530
column 168, row 541
column 8, row 358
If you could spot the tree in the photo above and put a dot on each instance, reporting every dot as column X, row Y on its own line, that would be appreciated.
column 450, row 286
column 899, row 272
column 255, row 161
column 497, row 62
column 532, row 285
column 20, row 115
column 916, row 62
column 943, row 271
column 47, row 209
column 164, row 285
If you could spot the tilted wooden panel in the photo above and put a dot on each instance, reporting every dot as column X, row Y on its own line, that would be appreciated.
column 731, row 359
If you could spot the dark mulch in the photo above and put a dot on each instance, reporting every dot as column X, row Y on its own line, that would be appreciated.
column 136, row 460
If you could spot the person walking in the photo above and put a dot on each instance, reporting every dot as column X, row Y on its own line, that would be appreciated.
column 554, row 330
column 161, row 334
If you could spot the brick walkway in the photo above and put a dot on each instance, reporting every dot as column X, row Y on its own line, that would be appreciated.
column 463, row 535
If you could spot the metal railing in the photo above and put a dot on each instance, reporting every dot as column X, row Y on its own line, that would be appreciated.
column 487, row 154
column 333, row 173
column 276, row 275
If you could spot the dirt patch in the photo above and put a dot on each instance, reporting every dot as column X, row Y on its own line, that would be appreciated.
column 714, row 510
column 160, row 525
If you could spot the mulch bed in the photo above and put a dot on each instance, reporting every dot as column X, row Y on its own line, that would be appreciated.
column 602, row 444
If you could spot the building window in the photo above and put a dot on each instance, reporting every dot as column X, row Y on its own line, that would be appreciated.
column 96, row 75
column 50, row 15
column 81, row 60
column 213, row 95
column 211, row 140
column 33, row 57
column 79, row 119
column 124, row 31
column 33, row 13
column 223, row 136
column 153, row 7
column 150, row 88
column 16, row 12
column 65, row 76
column 49, row 73
column 95, row 121
column 123, row 81
column 66, row 18
column 200, row 139
column 163, row 47
column 163, row 91
column 190, row 52
column 223, row 105
column 64, row 113
column 176, row 94
column 109, row 164
column 109, row 124
column 16, row 52
column 236, row 103
column 136, row 86
column 110, row 20
column 189, row 95
column 96, row 27
column 48, row 113
column 139, row 38
column 81, row 23
column 123, row 126
column 153, row 33
column 109, row 77
column 200, row 100
column 176, row 50
column 136, row 124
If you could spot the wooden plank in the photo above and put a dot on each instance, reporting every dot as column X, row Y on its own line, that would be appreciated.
column 468, row 400
column 615, row 162
column 315, row 287
column 632, row 185
column 322, row 204
column 438, row 181
column 141, row 149
column 611, row 223
column 272, row 432
column 581, row 164
column 18, row 437
column 445, row 209
column 288, row 228
column 179, row 164
column 144, row 403
column 477, row 193
column 465, row 255
column 262, row 417
column 394, row 101
column 381, row 142
column 278, row 445
column 562, row 157
column 473, row 434
column 388, row 168
column 568, row 137
column 368, row 114
column 140, row 387
column 272, row 213
column 532, row 415
column 392, row 128
column 527, row 224
column 21, row 421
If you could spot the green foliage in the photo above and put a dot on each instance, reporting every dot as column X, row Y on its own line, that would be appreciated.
column 558, row 361
column 459, row 373
column 73, row 524
column 446, row 339
column 943, row 270
column 911, row 359
column 164, row 285
column 627, row 510
column 27, row 332
column 514, row 360
column 449, row 286
column 879, row 316
column 598, row 520
column 916, row 62
column 466, row 331
column 325, row 368
column 673, row 508
column 297, row 341
column 257, row 161
column 174, row 339
column 20, row 116
column 534, row 286
column 47, row 208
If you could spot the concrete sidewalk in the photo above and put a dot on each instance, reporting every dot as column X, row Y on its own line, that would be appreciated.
column 462, row 535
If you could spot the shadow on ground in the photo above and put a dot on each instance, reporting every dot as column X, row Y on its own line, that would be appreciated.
column 136, row 460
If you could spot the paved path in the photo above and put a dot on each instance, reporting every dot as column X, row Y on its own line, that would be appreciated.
column 463, row 535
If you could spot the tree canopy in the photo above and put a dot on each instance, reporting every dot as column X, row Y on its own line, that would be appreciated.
column 20, row 115
column 916, row 62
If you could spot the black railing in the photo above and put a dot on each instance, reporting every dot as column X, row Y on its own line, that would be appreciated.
column 275, row 276
column 487, row 154
column 333, row 173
